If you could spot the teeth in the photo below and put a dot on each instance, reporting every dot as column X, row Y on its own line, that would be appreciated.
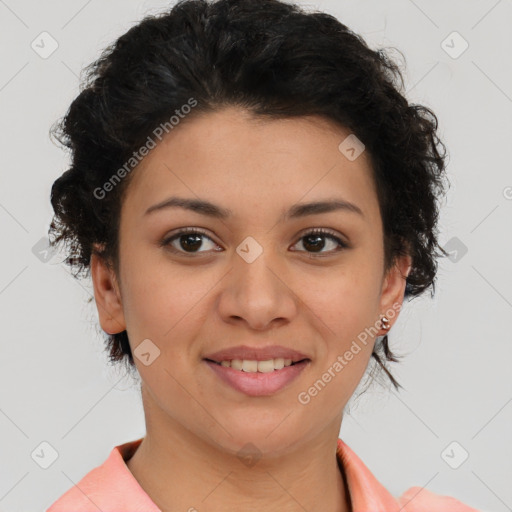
column 252, row 366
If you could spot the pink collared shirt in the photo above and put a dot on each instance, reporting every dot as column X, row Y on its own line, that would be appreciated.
column 111, row 487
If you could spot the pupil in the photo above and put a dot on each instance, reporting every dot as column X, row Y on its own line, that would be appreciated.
column 319, row 243
column 192, row 240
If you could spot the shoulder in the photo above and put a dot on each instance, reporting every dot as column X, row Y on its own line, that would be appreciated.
column 109, row 487
column 82, row 495
column 419, row 499
column 367, row 493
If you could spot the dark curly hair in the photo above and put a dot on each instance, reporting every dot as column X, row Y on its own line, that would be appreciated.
column 275, row 60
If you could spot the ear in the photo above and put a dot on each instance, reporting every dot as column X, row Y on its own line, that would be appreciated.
column 107, row 296
column 393, row 287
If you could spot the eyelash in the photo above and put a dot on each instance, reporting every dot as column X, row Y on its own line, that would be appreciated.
column 196, row 231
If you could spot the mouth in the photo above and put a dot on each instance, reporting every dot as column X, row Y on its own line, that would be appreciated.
column 253, row 365
column 257, row 378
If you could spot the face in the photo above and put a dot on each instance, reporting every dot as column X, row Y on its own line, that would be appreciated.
column 256, row 277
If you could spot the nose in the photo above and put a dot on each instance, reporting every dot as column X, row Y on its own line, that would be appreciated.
column 256, row 292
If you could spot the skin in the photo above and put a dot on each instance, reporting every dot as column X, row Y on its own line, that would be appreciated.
column 190, row 305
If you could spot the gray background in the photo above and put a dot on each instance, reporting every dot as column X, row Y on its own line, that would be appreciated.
column 56, row 385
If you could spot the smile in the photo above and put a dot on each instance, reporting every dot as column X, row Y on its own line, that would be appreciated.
column 248, row 377
column 252, row 365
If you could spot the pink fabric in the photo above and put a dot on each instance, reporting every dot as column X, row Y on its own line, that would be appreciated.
column 111, row 487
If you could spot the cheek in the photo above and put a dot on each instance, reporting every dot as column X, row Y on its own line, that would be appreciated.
column 345, row 300
column 161, row 303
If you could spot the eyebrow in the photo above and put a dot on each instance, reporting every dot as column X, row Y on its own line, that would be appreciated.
column 296, row 211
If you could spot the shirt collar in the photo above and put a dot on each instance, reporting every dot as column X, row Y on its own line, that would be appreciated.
column 111, row 486
column 366, row 492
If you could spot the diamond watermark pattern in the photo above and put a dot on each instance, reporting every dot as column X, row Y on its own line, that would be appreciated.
column 351, row 147
column 249, row 454
column 44, row 455
column 454, row 45
column 249, row 249
column 146, row 352
column 456, row 249
column 42, row 250
column 44, row 45
column 454, row 455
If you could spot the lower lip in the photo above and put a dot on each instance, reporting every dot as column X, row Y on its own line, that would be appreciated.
column 257, row 383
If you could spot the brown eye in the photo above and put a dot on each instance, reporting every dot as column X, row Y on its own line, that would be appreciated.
column 187, row 241
column 315, row 241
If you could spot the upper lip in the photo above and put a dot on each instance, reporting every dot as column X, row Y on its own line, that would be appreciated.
column 256, row 353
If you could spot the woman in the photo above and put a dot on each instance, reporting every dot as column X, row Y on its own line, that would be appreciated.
column 253, row 198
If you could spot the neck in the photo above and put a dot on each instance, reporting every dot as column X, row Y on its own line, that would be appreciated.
column 180, row 471
column 183, row 468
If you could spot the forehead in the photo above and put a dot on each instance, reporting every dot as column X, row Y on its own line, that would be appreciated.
column 234, row 159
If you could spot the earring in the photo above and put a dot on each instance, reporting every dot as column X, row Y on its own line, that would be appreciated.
column 384, row 323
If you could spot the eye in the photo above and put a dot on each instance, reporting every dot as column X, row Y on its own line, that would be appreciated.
column 188, row 241
column 315, row 241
